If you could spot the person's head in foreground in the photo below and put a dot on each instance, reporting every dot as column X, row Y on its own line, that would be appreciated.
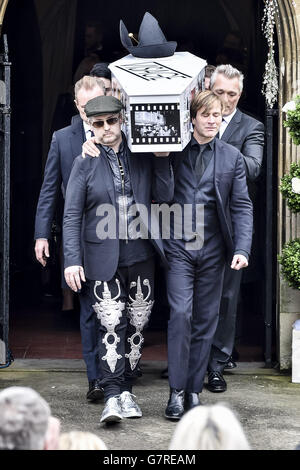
column 209, row 428
column 26, row 422
column 78, row 440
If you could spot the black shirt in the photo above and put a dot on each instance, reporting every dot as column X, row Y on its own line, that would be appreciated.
column 133, row 249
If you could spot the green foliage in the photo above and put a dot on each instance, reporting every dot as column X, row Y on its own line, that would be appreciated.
column 293, row 122
column 292, row 198
column 290, row 263
column 290, row 257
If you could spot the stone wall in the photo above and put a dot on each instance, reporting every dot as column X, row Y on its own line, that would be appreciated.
column 288, row 304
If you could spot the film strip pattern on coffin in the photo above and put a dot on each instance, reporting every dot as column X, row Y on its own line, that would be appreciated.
column 155, row 123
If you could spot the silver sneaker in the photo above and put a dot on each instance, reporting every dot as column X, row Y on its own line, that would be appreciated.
column 112, row 411
column 130, row 409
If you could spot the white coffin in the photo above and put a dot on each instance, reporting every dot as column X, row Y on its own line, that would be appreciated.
column 156, row 94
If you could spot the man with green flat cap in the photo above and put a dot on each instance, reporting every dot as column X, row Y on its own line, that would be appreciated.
column 107, row 258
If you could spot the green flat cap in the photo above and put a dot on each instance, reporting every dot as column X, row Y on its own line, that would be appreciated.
column 102, row 105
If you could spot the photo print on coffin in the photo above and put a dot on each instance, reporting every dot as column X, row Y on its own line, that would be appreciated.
column 155, row 123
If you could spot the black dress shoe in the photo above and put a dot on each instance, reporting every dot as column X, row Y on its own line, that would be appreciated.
column 175, row 407
column 95, row 391
column 216, row 382
column 230, row 364
column 191, row 399
column 165, row 374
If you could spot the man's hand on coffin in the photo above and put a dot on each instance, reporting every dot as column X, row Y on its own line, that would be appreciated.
column 74, row 275
column 89, row 148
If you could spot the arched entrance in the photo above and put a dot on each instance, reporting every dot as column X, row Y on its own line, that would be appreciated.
column 288, row 300
column 223, row 30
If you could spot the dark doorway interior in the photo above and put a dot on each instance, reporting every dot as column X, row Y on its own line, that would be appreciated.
column 219, row 31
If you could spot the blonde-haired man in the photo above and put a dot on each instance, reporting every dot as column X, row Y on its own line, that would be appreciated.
column 210, row 180
column 83, row 91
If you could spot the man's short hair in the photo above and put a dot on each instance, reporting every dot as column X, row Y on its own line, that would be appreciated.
column 88, row 83
column 101, row 70
column 204, row 99
column 229, row 72
column 24, row 419
column 209, row 70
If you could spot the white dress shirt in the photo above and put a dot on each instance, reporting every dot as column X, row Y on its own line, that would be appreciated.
column 225, row 121
column 87, row 130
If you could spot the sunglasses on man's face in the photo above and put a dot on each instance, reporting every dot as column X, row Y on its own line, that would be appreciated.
column 110, row 122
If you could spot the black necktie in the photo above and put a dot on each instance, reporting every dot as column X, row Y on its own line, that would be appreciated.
column 200, row 164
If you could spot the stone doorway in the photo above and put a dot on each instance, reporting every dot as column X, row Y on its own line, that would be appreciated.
column 205, row 43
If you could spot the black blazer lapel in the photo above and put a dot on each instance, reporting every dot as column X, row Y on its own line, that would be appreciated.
column 219, row 170
column 232, row 126
column 219, row 162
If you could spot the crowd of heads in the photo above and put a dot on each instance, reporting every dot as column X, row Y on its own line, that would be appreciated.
column 26, row 423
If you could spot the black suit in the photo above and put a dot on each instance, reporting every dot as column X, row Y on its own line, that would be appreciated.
column 90, row 186
column 91, row 198
column 195, row 277
column 247, row 135
column 66, row 145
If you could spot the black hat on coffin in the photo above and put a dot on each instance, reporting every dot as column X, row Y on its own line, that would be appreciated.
column 152, row 42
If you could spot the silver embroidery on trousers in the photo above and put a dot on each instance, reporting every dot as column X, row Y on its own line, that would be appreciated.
column 109, row 312
column 138, row 311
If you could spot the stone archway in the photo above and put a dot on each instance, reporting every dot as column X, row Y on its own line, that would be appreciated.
column 288, row 300
column 288, row 31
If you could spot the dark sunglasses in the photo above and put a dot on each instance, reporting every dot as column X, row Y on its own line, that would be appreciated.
column 110, row 122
